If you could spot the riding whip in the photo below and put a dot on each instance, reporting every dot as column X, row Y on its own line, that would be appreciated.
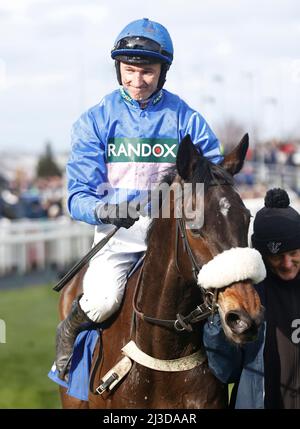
column 80, row 264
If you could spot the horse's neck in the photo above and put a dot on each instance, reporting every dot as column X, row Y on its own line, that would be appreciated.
column 163, row 294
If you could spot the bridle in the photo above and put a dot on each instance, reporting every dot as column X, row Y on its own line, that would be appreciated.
column 202, row 311
column 210, row 297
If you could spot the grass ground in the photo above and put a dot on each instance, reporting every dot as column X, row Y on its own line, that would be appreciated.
column 30, row 316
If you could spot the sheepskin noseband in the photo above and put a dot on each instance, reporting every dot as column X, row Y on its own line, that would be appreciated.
column 230, row 266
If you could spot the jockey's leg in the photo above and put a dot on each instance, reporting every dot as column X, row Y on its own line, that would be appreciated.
column 104, row 284
column 103, row 288
column 66, row 333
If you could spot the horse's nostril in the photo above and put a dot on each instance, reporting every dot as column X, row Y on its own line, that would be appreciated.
column 238, row 322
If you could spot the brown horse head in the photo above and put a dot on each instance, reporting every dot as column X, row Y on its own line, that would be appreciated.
column 219, row 240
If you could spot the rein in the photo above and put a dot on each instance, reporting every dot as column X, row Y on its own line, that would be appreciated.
column 201, row 312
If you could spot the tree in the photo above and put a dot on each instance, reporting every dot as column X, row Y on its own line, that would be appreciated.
column 230, row 133
column 47, row 166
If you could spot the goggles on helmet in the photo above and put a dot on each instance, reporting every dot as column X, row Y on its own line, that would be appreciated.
column 143, row 46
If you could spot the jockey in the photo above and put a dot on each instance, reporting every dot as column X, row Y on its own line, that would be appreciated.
column 120, row 148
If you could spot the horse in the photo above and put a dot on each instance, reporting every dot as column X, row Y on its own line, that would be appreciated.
column 157, row 310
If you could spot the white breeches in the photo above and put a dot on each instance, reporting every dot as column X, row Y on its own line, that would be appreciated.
column 105, row 279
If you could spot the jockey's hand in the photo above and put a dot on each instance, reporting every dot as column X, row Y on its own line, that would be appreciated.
column 120, row 215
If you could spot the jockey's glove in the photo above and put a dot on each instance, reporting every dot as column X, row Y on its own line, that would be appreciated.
column 120, row 215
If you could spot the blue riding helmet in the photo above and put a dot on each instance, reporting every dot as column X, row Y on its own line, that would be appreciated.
column 144, row 39
column 144, row 42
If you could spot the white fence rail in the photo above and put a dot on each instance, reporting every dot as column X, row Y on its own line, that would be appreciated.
column 28, row 244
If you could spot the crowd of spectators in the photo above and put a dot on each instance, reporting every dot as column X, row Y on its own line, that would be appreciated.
column 273, row 163
column 37, row 199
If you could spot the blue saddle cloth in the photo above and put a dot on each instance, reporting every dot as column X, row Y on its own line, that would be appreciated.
column 85, row 343
column 78, row 383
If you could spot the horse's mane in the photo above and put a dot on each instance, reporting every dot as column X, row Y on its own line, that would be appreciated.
column 205, row 172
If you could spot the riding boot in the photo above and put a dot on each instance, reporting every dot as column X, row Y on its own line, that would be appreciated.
column 66, row 334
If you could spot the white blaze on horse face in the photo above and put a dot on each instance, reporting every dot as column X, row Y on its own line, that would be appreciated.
column 224, row 206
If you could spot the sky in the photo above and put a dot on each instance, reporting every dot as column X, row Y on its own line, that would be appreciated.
column 233, row 59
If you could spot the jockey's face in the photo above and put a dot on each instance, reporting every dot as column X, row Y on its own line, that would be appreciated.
column 285, row 265
column 139, row 80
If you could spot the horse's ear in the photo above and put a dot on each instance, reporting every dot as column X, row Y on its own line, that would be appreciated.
column 187, row 157
column 233, row 162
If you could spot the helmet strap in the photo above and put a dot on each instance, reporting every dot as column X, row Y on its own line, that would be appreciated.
column 118, row 71
column 163, row 75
